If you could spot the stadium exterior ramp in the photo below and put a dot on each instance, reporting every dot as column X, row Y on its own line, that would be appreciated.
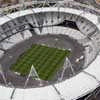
column 70, row 89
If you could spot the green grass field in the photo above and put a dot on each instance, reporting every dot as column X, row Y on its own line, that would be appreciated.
column 46, row 60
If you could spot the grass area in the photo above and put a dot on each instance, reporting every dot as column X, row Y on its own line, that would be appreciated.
column 46, row 60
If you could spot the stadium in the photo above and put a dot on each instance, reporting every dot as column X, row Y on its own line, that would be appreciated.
column 50, row 50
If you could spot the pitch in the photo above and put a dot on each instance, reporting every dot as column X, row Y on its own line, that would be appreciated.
column 47, row 61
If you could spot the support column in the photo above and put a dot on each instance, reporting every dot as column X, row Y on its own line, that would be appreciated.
column 34, row 75
column 3, row 76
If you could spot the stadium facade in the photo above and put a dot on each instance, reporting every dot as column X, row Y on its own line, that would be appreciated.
column 65, row 25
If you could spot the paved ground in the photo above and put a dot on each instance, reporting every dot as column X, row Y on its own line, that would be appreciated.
column 91, row 2
column 60, row 41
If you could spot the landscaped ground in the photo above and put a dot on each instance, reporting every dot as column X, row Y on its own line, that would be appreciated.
column 46, row 60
